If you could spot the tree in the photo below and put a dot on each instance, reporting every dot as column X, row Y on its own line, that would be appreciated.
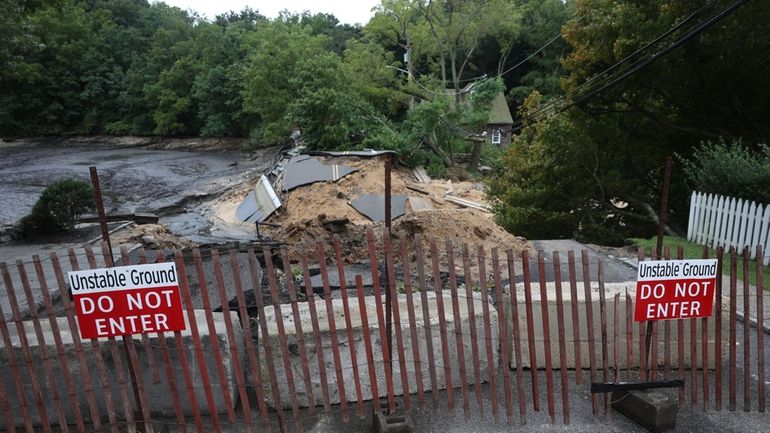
column 59, row 206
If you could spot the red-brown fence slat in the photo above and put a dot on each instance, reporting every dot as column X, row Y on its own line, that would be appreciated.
column 85, row 377
column 718, row 333
column 491, row 372
column 576, row 343
column 667, row 333
column 654, row 337
column 458, row 326
column 288, row 370
column 364, row 316
column 5, row 406
column 760, row 331
column 332, row 329
column 421, row 281
column 505, row 342
column 693, row 362
column 306, row 377
column 16, row 374
column 562, row 337
column 25, row 352
column 680, row 338
column 705, row 350
column 746, row 332
column 732, row 374
column 348, row 324
column 384, row 349
column 113, row 347
column 516, row 336
column 530, row 330
column 590, row 326
column 603, row 330
column 254, row 368
column 256, row 284
column 394, row 308
column 149, row 352
column 186, row 374
column 213, row 338
column 546, row 337
column 469, row 287
column 164, row 350
column 43, row 347
column 64, row 366
column 319, row 352
column 643, row 337
column 616, row 337
column 407, row 272
column 184, row 289
column 140, row 393
column 442, row 324
column 629, row 335
column 235, row 357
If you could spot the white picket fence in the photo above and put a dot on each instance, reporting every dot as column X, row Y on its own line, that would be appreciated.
column 716, row 220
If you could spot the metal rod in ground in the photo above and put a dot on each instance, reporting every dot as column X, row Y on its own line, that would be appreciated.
column 100, row 208
column 661, row 227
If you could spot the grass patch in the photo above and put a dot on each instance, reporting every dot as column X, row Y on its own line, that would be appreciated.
column 695, row 251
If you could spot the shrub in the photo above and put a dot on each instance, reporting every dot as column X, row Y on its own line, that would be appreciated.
column 59, row 206
column 729, row 169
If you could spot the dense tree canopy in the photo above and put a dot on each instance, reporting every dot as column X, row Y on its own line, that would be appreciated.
column 601, row 90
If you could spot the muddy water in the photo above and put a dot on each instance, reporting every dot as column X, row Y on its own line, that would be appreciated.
column 133, row 179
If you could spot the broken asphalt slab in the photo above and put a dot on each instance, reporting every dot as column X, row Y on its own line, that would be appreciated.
column 614, row 270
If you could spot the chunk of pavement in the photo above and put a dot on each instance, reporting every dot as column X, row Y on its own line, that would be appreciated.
column 650, row 408
column 419, row 204
column 373, row 206
column 305, row 169
column 259, row 203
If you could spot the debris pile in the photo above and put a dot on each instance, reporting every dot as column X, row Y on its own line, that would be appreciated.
column 326, row 195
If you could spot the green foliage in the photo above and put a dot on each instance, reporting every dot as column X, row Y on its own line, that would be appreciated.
column 729, row 169
column 58, row 207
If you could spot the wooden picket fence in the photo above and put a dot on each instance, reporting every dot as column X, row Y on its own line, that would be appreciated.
column 296, row 368
column 717, row 220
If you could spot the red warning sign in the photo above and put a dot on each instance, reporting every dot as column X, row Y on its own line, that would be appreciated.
column 675, row 289
column 127, row 300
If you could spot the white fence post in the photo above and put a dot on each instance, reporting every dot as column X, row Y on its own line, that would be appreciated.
column 717, row 220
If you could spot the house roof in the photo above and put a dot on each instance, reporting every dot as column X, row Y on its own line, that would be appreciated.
column 500, row 113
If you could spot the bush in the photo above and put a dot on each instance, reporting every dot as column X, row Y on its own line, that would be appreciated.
column 729, row 169
column 59, row 206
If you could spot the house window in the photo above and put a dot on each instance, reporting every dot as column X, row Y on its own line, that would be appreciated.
column 496, row 136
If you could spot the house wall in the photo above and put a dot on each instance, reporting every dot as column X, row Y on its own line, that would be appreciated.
column 506, row 131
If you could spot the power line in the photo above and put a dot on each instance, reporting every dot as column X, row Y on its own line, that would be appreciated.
column 630, row 56
column 636, row 66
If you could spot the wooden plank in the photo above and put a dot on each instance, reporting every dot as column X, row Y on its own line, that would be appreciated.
column 505, row 342
column 319, row 352
column 367, row 342
column 442, row 323
column 421, row 280
column 391, row 269
column 251, row 353
column 590, row 326
column 184, row 289
column 469, row 283
column 760, row 332
column 732, row 374
column 546, row 323
column 562, row 337
column 348, row 325
column 516, row 337
column 407, row 273
column 386, row 358
column 26, row 354
column 746, row 332
column 224, row 383
column 680, row 338
column 575, row 318
column 457, row 326
column 603, row 327
column 530, row 330
column 235, row 357
column 466, row 203
column 491, row 372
